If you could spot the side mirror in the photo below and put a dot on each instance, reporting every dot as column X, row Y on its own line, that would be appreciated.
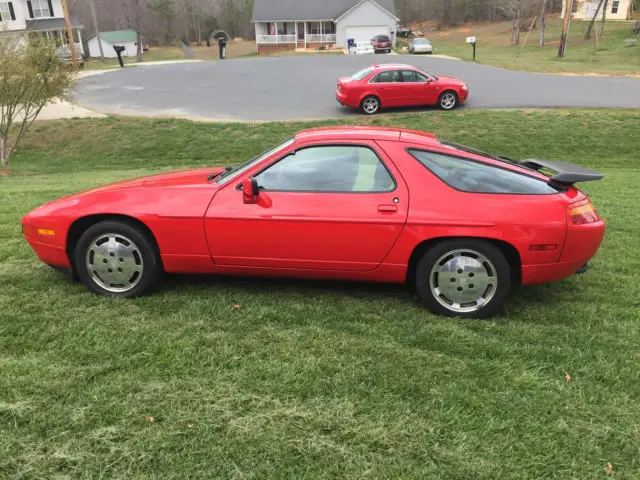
column 250, row 190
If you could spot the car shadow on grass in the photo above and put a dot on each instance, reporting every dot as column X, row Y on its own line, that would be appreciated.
column 348, row 112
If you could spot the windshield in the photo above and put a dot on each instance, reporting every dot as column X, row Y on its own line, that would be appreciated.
column 421, row 41
column 361, row 74
column 231, row 174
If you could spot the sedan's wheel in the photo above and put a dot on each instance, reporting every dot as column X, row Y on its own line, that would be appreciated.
column 448, row 100
column 117, row 259
column 463, row 278
column 370, row 105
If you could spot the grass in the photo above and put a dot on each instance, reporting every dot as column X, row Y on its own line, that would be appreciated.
column 612, row 56
column 317, row 380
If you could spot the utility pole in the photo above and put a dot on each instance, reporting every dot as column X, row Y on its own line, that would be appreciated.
column 67, row 21
column 95, row 26
column 568, row 6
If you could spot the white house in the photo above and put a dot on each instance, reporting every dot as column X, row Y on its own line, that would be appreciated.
column 616, row 9
column 123, row 38
column 291, row 24
column 38, row 17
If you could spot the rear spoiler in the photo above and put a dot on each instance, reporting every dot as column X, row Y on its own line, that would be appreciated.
column 566, row 173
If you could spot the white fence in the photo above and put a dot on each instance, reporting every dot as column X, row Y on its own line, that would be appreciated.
column 321, row 38
column 277, row 38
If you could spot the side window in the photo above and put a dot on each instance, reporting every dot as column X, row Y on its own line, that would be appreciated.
column 477, row 177
column 390, row 76
column 328, row 169
column 411, row 76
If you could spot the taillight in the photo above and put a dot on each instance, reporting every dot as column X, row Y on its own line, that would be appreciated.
column 583, row 213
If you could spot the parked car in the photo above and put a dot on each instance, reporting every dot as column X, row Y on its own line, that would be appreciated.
column 362, row 48
column 354, row 203
column 404, row 32
column 64, row 53
column 420, row 45
column 391, row 85
column 381, row 43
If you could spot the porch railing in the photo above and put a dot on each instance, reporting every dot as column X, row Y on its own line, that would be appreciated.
column 321, row 38
column 277, row 38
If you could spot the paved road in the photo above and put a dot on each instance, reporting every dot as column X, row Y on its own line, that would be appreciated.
column 298, row 88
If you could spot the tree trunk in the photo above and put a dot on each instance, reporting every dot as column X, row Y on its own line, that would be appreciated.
column 95, row 26
column 587, row 34
column 139, row 45
column 604, row 19
column 542, row 25
column 515, row 29
column 3, row 153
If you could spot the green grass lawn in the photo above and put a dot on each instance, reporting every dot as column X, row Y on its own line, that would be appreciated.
column 611, row 56
column 317, row 380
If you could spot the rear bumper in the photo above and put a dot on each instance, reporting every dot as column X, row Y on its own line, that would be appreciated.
column 342, row 99
column 551, row 272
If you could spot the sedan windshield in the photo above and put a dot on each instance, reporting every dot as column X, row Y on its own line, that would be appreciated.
column 233, row 173
column 421, row 41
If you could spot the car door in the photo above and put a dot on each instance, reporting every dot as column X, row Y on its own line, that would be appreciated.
column 417, row 89
column 324, row 206
column 387, row 85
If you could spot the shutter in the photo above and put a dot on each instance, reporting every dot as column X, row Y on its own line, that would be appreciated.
column 50, row 8
column 30, row 9
column 11, row 11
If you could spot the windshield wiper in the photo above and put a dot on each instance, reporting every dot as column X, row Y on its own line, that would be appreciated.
column 216, row 174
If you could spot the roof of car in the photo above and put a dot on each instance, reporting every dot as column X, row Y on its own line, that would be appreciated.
column 353, row 132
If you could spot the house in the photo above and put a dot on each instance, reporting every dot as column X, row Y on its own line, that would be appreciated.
column 616, row 9
column 40, row 18
column 291, row 24
column 124, row 38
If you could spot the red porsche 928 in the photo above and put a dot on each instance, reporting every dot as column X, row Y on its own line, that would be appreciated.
column 460, row 226
column 387, row 86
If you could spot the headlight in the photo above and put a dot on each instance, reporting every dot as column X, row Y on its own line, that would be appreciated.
column 465, row 87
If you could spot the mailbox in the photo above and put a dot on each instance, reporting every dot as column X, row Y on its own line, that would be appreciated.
column 119, row 49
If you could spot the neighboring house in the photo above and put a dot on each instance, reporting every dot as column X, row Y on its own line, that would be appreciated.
column 38, row 17
column 123, row 38
column 291, row 24
column 616, row 9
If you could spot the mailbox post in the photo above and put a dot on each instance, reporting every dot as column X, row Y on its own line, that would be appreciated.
column 119, row 49
column 472, row 41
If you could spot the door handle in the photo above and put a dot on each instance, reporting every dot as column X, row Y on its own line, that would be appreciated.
column 387, row 208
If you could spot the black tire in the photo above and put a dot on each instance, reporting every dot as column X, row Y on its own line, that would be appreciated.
column 447, row 94
column 145, row 255
column 427, row 279
column 365, row 105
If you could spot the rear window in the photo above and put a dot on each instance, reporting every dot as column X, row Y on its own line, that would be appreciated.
column 383, row 38
column 477, row 177
column 361, row 74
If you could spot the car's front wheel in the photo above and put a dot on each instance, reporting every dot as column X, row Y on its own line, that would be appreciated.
column 370, row 105
column 448, row 100
column 463, row 278
column 117, row 259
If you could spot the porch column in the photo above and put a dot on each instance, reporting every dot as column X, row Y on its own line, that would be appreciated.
column 305, row 35
column 275, row 24
column 321, row 30
column 80, row 42
column 295, row 29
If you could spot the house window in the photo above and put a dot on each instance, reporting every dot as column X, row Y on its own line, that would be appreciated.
column 328, row 27
column 614, row 6
column 40, row 8
column 313, row 28
column 6, row 11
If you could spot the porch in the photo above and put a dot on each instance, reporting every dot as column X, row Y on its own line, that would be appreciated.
column 297, row 34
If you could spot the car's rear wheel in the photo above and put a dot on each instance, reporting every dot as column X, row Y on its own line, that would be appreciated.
column 370, row 105
column 463, row 278
column 448, row 100
column 117, row 259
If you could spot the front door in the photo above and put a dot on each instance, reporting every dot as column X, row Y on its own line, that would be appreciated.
column 301, row 31
column 389, row 87
column 417, row 89
column 322, row 207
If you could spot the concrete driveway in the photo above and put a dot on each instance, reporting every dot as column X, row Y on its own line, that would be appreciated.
column 300, row 88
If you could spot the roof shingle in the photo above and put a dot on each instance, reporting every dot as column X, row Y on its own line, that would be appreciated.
column 291, row 10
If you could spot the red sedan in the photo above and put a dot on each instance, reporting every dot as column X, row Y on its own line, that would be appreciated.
column 357, row 203
column 386, row 86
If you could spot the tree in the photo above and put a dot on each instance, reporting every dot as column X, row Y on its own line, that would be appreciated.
column 543, row 11
column 604, row 19
column 31, row 77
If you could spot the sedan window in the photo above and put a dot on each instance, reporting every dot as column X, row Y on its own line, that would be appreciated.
column 328, row 169
column 477, row 177
column 411, row 76
column 390, row 76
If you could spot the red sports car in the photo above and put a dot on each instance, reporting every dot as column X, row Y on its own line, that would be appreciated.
column 385, row 86
column 357, row 203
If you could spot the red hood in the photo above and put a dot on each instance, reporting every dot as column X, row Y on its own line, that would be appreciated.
column 451, row 80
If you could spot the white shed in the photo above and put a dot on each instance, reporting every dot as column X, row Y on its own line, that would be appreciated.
column 125, row 38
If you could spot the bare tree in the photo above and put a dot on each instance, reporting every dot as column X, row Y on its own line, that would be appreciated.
column 95, row 26
column 543, row 11
column 31, row 77
column 587, row 34
column 604, row 19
